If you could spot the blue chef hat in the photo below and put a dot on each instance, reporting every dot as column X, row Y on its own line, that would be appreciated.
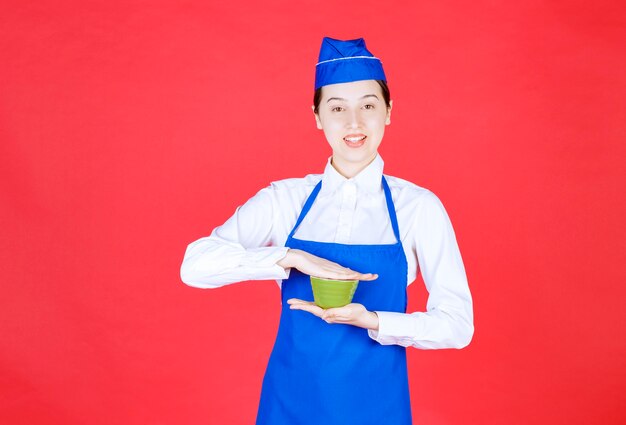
column 346, row 61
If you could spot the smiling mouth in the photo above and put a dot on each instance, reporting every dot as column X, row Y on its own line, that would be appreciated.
column 355, row 140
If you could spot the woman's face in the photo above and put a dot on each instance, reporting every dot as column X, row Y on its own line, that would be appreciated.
column 353, row 117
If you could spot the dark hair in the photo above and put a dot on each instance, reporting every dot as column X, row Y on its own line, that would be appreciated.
column 317, row 97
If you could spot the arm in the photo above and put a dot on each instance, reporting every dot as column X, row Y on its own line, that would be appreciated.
column 239, row 249
column 448, row 321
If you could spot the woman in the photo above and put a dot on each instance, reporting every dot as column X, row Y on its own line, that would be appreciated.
column 351, row 222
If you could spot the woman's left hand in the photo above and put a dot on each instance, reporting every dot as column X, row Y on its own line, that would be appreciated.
column 351, row 314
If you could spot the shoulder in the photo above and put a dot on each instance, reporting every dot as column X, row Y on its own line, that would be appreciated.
column 416, row 203
column 410, row 192
column 290, row 192
column 295, row 184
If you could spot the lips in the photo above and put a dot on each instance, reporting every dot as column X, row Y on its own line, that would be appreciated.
column 355, row 140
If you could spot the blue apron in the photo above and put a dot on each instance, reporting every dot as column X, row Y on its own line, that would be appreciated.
column 320, row 373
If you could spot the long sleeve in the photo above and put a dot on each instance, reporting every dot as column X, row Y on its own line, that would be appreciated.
column 238, row 250
column 448, row 321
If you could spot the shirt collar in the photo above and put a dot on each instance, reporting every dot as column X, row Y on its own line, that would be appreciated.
column 368, row 180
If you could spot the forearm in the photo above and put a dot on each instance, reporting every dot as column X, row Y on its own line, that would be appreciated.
column 210, row 263
column 439, row 328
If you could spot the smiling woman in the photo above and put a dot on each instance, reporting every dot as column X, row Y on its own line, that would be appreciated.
column 353, row 117
column 352, row 222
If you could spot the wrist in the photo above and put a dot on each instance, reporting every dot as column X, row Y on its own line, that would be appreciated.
column 287, row 261
column 371, row 320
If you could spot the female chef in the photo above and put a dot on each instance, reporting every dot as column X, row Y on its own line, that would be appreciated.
column 344, row 365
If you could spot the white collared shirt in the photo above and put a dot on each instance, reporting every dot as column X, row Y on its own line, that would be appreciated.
column 348, row 211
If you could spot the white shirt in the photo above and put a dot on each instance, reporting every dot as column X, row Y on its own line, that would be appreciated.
column 347, row 211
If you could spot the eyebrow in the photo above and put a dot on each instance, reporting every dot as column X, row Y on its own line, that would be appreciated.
column 342, row 99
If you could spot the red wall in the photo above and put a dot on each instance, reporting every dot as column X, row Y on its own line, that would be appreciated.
column 129, row 129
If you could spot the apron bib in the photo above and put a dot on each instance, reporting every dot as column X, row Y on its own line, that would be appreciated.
column 320, row 373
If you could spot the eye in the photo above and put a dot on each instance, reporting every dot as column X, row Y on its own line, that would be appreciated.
column 368, row 106
column 337, row 109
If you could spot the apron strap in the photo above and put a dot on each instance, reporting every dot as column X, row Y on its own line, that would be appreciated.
column 306, row 208
column 390, row 207
column 392, row 210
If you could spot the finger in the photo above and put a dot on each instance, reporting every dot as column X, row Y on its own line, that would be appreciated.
column 298, row 301
column 339, row 271
column 360, row 276
column 345, row 273
column 308, row 307
column 316, row 311
column 357, row 275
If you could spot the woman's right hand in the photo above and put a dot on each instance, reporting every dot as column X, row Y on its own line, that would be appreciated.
column 319, row 267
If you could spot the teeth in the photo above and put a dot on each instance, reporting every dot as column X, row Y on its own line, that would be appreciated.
column 354, row 139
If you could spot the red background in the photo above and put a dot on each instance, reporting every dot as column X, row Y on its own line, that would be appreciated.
column 129, row 129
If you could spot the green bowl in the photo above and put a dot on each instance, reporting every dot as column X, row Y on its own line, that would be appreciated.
column 330, row 293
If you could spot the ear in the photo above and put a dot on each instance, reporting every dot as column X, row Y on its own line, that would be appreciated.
column 317, row 118
column 388, row 120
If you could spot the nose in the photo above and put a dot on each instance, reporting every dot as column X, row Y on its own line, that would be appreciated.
column 354, row 119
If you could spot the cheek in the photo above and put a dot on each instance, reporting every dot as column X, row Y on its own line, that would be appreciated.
column 332, row 126
column 377, row 123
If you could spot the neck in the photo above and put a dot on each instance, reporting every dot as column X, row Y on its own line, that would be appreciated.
column 350, row 169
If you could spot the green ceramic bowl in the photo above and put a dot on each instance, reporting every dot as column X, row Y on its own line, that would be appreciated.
column 330, row 293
